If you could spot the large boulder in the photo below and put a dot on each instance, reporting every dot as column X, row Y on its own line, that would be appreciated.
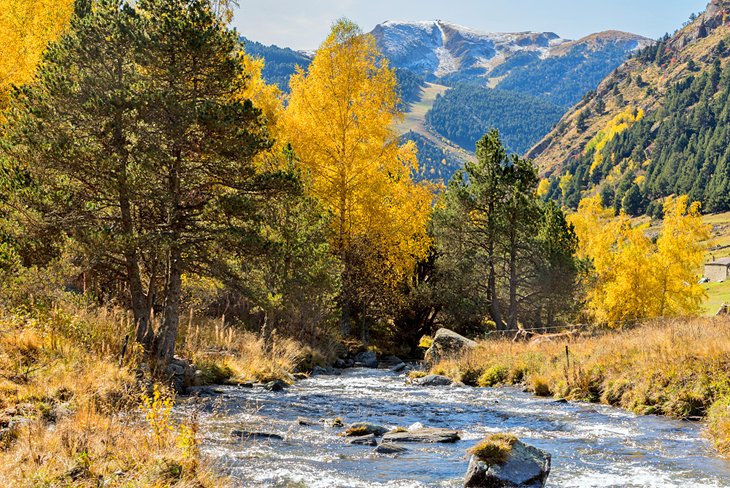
column 424, row 435
column 447, row 343
column 524, row 466
column 367, row 359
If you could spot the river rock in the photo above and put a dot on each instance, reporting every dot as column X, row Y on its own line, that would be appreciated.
column 367, row 359
column 305, row 421
column 204, row 391
column 245, row 434
column 525, row 467
column 366, row 428
column 433, row 380
column 181, row 374
column 399, row 367
column 389, row 361
column 363, row 440
column 427, row 435
column 337, row 422
column 447, row 343
column 389, row 448
column 330, row 371
column 276, row 385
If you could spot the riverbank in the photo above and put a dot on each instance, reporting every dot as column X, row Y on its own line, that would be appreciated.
column 73, row 413
column 678, row 368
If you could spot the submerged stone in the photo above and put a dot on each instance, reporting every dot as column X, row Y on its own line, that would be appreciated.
column 245, row 434
column 389, row 448
column 426, row 435
column 363, row 440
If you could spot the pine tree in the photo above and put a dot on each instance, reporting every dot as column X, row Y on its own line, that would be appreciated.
column 501, row 247
column 135, row 128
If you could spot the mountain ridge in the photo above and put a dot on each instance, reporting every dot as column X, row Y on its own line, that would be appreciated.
column 657, row 125
column 436, row 49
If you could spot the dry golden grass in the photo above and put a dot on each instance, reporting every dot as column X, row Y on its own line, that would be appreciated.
column 70, row 413
column 224, row 353
column 678, row 367
column 494, row 449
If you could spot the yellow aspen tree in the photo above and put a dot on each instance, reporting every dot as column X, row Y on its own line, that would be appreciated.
column 340, row 121
column 26, row 28
column 679, row 258
column 634, row 278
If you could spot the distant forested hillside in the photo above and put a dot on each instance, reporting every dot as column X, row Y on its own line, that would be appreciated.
column 466, row 112
column 280, row 63
column 410, row 85
column 433, row 163
column 562, row 80
column 658, row 126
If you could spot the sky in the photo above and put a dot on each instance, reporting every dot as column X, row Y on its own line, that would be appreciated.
column 303, row 24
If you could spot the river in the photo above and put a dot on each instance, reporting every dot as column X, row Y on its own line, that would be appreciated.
column 591, row 445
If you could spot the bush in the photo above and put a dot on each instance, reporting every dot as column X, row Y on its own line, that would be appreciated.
column 496, row 375
column 718, row 423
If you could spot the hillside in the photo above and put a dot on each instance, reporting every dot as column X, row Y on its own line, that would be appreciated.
column 534, row 76
column 536, row 63
column 660, row 124
column 280, row 63
column 466, row 112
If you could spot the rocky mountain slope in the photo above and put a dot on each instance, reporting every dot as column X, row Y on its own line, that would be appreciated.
column 535, row 63
column 537, row 76
column 658, row 125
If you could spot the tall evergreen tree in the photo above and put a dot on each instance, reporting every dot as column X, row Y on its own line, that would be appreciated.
column 134, row 126
column 501, row 247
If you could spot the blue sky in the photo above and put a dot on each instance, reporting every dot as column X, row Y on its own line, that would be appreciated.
column 303, row 24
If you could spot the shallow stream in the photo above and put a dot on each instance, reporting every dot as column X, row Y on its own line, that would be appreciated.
column 591, row 445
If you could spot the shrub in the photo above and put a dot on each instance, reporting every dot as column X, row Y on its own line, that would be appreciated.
column 718, row 423
column 539, row 386
column 495, row 375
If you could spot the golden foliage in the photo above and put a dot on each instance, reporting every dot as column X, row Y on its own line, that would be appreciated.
column 340, row 121
column 633, row 277
column 543, row 187
column 616, row 126
column 26, row 27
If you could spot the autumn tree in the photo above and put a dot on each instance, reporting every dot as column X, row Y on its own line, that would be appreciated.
column 634, row 278
column 137, row 130
column 340, row 121
column 26, row 28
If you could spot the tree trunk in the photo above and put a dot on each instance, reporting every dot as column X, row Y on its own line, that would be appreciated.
column 512, row 316
column 168, row 332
